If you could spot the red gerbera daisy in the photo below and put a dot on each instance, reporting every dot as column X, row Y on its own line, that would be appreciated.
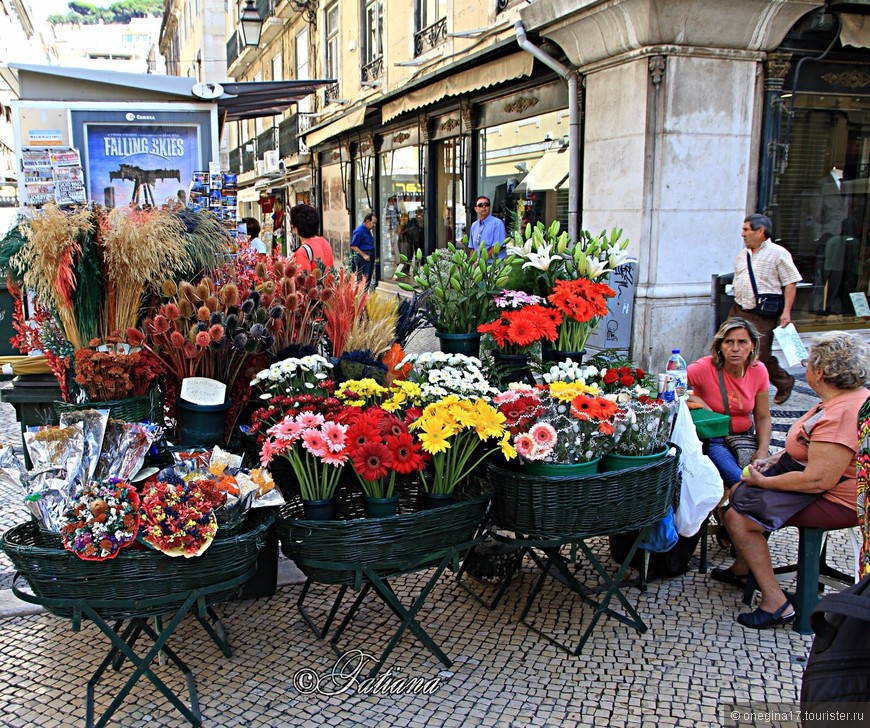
column 373, row 460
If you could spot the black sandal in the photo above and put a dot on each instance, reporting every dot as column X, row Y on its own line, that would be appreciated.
column 759, row 619
column 728, row 576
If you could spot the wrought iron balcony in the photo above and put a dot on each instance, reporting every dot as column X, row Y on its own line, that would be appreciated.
column 373, row 71
column 288, row 136
column 430, row 37
column 234, row 48
column 266, row 141
column 330, row 94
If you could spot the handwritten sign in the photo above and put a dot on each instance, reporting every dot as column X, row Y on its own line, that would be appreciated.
column 614, row 330
column 201, row 390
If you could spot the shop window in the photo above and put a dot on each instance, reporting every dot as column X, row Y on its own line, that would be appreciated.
column 523, row 169
column 363, row 187
column 403, row 218
column 821, row 213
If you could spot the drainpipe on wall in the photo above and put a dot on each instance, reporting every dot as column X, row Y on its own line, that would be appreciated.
column 574, row 173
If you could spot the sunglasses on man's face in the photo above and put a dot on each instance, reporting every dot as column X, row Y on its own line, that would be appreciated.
column 482, row 204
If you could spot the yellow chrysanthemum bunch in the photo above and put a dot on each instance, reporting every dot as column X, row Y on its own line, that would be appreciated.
column 450, row 430
column 568, row 391
column 360, row 392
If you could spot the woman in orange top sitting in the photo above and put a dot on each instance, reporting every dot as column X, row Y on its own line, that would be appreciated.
column 305, row 222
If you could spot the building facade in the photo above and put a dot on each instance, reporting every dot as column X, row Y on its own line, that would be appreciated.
column 690, row 116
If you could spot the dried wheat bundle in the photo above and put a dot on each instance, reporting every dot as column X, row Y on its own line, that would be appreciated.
column 139, row 248
column 49, row 262
column 375, row 330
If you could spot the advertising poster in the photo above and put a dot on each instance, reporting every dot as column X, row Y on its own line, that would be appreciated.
column 142, row 164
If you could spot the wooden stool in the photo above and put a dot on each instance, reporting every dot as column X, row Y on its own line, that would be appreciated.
column 811, row 564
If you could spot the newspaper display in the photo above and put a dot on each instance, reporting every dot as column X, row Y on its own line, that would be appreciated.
column 52, row 175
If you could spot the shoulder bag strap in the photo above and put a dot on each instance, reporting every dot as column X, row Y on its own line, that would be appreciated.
column 308, row 251
column 724, row 396
column 751, row 275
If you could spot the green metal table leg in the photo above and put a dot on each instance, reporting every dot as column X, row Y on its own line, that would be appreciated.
column 350, row 613
column 300, row 605
column 142, row 665
column 408, row 616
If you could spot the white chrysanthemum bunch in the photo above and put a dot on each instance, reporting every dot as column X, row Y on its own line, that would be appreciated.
column 439, row 375
column 303, row 375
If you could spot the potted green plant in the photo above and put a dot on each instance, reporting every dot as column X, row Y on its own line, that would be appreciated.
column 461, row 285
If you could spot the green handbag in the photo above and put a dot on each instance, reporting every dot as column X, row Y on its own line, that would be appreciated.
column 710, row 424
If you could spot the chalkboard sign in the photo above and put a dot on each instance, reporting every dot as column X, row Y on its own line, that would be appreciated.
column 614, row 331
column 201, row 390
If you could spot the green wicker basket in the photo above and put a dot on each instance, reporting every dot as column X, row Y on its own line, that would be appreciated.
column 133, row 409
column 401, row 543
column 583, row 506
column 133, row 576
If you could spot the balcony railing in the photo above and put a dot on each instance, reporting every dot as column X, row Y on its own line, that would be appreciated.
column 304, row 125
column 330, row 94
column 234, row 48
column 430, row 37
column 374, row 70
column 266, row 141
column 236, row 160
column 249, row 159
column 288, row 136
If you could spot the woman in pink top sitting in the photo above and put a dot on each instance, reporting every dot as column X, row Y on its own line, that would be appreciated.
column 809, row 483
column 305, row 222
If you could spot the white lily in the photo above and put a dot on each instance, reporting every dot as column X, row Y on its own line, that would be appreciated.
column 541, row 259
column 596, row 268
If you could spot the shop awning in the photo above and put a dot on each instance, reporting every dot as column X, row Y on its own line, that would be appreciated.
column 239, row 100
column 855, row 31
column 248, row 194
column 253, row 99
column 549, row 172
column 350, row 120
column 514, row 66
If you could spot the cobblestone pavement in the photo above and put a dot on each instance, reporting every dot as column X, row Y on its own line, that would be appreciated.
column 693, row 658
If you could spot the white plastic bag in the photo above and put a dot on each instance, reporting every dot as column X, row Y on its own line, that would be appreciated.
column 701, row 488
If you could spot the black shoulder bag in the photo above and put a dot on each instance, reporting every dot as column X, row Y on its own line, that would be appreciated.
column 767, row 305
column 743, row 446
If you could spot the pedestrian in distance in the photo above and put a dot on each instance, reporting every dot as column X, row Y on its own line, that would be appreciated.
column 487, row 230
column 362, row 245
column 774, row 272
column 252, row 229
column 305, row 222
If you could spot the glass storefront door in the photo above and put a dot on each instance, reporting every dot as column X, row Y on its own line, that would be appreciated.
column 822, row 214
column 450, row 222
column 402, row 224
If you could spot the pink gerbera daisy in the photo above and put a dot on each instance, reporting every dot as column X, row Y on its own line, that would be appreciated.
column 287, row 430
column 314, row 441
column 310, row 419
column 544, row 435
column 335, row 434
column 335, row 458
column 524, row 445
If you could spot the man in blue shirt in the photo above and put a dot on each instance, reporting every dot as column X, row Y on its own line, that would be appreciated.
column 487, row 229
column 362, row 244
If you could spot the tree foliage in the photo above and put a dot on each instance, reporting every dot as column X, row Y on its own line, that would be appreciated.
column 84, row 13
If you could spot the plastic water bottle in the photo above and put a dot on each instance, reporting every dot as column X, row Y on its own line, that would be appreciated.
column 677, row 368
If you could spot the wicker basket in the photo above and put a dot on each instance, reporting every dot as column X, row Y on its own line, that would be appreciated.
column 132, row 409
column 400, row 543
column 583, row 506
column 135, row 575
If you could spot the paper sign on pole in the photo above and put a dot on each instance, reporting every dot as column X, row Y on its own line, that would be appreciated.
column 201, row 390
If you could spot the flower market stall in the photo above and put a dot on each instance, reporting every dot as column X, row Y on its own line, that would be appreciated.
column 217, row 402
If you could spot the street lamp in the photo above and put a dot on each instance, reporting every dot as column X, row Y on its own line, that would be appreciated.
column 251, row 24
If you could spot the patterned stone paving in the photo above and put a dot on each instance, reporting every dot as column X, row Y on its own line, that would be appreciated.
column 693, row 658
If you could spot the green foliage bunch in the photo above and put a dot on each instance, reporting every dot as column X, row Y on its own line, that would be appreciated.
column 461, row 285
